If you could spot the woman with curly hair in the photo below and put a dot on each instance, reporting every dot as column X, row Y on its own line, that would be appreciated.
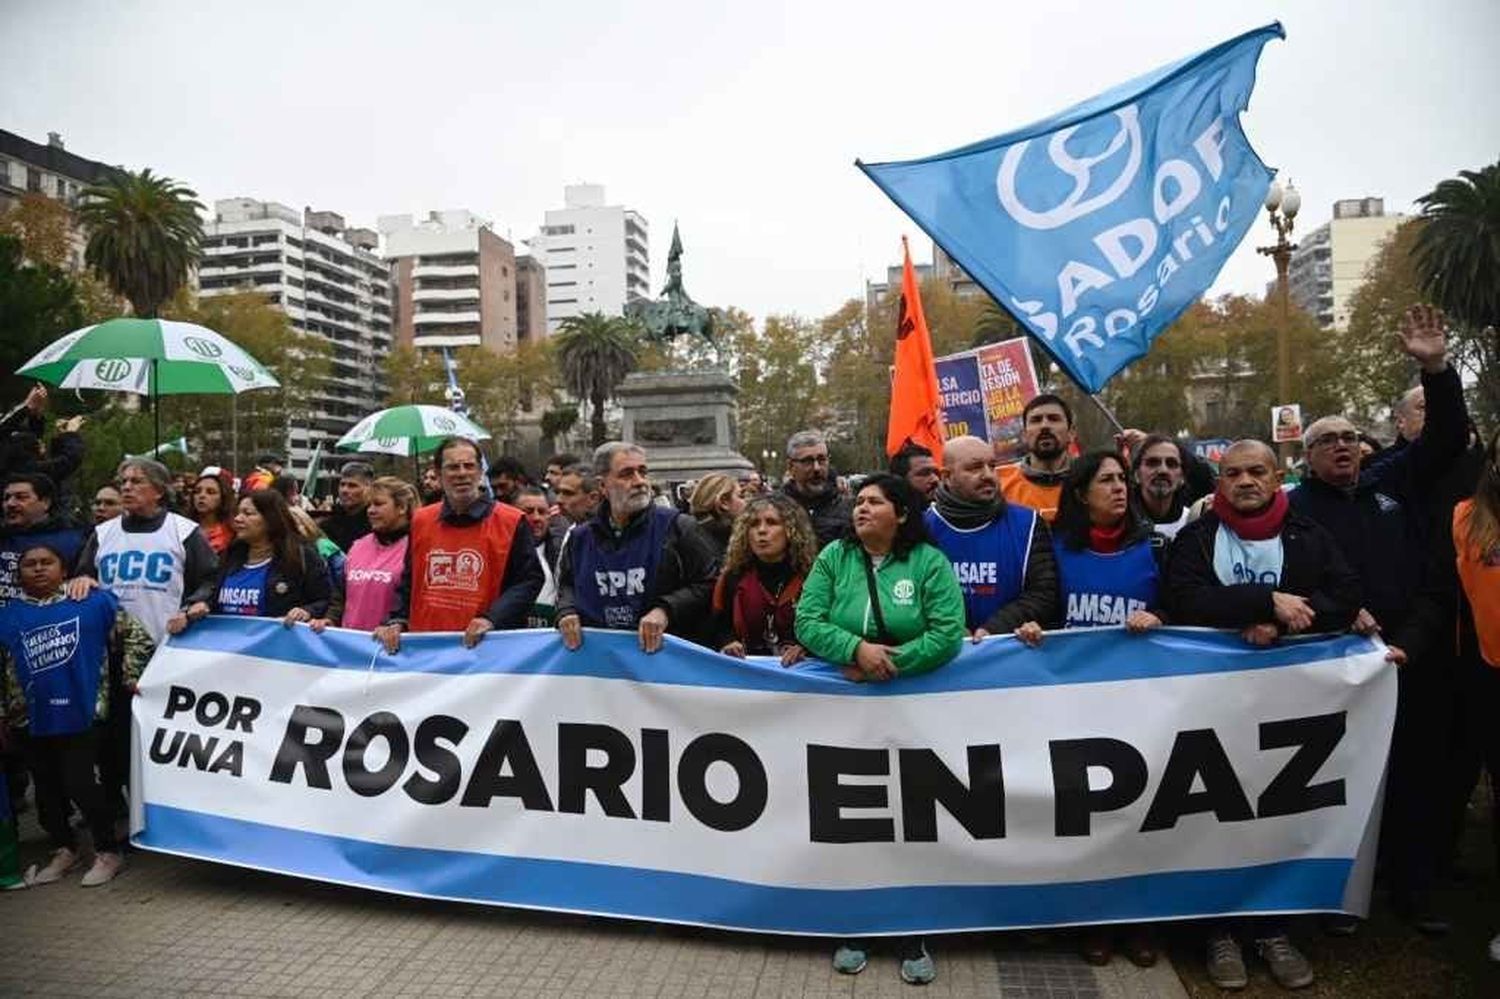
column 771, row 548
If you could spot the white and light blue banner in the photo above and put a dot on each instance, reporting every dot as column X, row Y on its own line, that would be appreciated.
column 1101, row 778
column 1098, row 226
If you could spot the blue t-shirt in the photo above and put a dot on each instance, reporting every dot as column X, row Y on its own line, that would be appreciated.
column 243, row 591
column 57, row 651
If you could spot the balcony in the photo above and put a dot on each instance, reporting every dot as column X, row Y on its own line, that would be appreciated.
column 446, row 294
column 445, row 318
column 447, row 340
column 451, row 270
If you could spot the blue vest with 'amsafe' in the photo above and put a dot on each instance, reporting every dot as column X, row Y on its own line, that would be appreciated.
column 612, row 584
column 1099, row 589
column 990, row 561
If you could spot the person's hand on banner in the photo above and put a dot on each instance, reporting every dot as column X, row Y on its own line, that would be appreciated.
column 652, row 627
column 853, row 673
column 978, row 635
column 1141, row 621
column 1365, row 624
column 571, row 629
column 177, row 623
column 1423, row 337
column 1262, row 634
column 792, row 654
column 296, row 615
column 734, row 649
column 1395, row 654
column 874, row 661
column 389, row 636
column 476, row 630
column 1030, row 633
column 317, row 624
column 1294, row 612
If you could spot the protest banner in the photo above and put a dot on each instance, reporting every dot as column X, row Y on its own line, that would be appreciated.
column 983, row 393
column 1101, row 778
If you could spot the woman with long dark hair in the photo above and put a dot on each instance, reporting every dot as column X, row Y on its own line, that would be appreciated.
column 883, row 602
column 771, row 549
column 269, row 569
column 211, row 506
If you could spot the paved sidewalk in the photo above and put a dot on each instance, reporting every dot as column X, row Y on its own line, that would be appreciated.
column 173, row 927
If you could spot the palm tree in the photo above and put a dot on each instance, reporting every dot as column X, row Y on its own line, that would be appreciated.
column 144, row 232
column 595, row 352
column 1458, row 250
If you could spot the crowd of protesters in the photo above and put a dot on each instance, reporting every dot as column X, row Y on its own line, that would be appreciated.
column 884, row 576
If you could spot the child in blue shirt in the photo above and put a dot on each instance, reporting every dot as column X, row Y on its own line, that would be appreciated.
column 55, row 653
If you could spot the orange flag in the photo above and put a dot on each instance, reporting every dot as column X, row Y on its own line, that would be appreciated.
column 916, row 407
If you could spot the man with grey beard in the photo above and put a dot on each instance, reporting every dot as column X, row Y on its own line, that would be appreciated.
column 1160, row 467
column 634, row 566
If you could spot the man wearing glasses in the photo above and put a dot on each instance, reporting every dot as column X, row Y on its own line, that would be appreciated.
column 812, row 485
column 1377, row 516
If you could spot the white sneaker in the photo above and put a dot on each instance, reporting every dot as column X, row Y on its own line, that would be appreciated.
column 63, row 860
column 1495, row 947
column 107, row 865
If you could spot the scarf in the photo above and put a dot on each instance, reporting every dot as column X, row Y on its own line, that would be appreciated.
column 1254, row 526
column 391, row 537
column 763, row 603
column 1106, row 540
column 966, row 514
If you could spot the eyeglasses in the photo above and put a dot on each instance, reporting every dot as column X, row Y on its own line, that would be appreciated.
column 808, row 460
column 1334, row 437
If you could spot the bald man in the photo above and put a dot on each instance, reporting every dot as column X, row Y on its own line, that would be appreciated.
column 1252, row 564
column 1001, row 552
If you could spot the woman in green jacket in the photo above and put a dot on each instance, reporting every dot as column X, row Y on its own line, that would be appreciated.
column 914, row 624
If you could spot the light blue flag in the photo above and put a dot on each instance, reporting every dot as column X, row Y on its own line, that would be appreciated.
column 1098, row 226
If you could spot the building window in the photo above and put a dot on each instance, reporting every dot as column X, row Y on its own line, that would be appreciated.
column 557, row 230
column 33, row 180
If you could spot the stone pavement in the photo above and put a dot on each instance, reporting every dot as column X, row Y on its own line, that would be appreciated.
column 174, row 927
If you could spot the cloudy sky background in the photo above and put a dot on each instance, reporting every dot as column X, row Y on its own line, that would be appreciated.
column 740, row 121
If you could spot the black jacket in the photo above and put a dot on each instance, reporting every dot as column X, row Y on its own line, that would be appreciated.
column 1312, row 567
column 344, row 528
column 828, row 510
column 519, row 586
column 1384, row 524
column 286, row 587
column 683, row 585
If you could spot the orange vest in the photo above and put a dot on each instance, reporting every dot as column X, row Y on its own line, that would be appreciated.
column 1481, row 583
column 457, row 570
column 1017, row 488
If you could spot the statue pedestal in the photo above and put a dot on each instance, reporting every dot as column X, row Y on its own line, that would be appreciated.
column 685, row 420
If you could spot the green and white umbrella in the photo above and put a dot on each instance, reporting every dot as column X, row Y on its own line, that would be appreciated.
column 408, row 430
column 151, row 357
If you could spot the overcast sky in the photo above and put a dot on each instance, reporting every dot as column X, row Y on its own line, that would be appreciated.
column 742, row 123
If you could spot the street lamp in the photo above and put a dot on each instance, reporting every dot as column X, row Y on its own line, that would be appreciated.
column 1282, row 205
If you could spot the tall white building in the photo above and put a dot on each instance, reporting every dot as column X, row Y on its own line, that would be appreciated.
column 597, row 257
column 1330, row 261
column 329, row 281
column 455, row 281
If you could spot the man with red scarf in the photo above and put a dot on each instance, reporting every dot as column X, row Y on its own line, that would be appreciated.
column 1253, row 564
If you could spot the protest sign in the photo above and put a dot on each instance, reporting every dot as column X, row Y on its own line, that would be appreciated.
column 984, row 391
column 1101, row 778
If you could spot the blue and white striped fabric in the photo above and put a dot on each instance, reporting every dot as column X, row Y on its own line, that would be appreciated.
column 691, row 788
